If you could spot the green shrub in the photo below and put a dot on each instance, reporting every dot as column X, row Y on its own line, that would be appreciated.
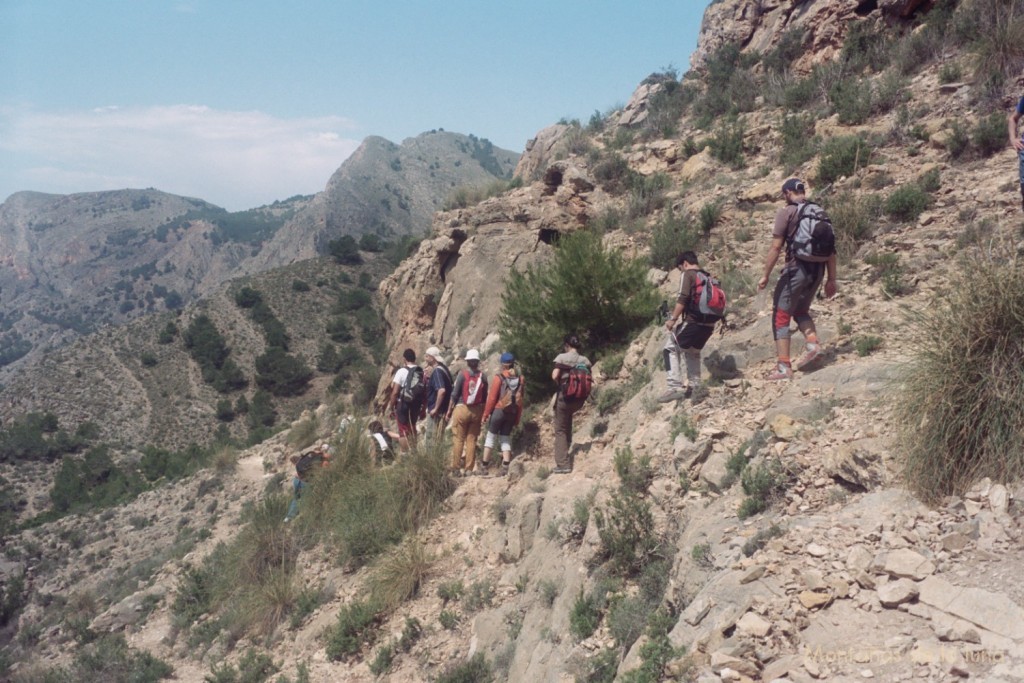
column 613, row 173
column 673, row 235
column 281, row 373
column 761, row 538
column 449, row 620
column 960, row 403
column 851, row 100
column 253, row 667
column 647, row 194
column 959, row 141
column 601, row 668
column 626, row 530
column 479, row 595
column 763, row 484
column 798, row 141
column 950, row 72
column 344, row 250
column 112, row 660
column 866, row 344
column 474, row 670
column 989, row 134
column 635, row 474
column 907, row 202
column 399, row 575
column 584, row 288
column 584, row 616
column 656, row 652
column 701, row 556
column 357, row 625
column 886, row 267
column 726, row 143
column 360, row 510
column 450, row 591
column 710, row 214
column 931, row 181
column 999, row 49
column 842, row 156
column 549, row 591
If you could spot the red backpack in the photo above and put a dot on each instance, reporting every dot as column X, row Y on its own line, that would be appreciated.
column 473, row 383
column 708, row 304
column 578, row 382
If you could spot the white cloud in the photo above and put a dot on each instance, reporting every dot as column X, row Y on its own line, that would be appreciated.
column 232, row 158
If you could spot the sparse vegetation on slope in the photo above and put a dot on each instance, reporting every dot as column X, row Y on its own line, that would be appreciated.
column 961, row 403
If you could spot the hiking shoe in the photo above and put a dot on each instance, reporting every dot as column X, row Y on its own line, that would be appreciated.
column 809, row 356
column 503, row 471
column 561, row 470
column 672, row 395
column 481, row 471
column 780, row 375
column 698, row 394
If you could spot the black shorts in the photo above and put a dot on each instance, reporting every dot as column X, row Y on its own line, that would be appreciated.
column 502, row 423
column 693, row 335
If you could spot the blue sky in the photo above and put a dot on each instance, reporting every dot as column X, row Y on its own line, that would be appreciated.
column 241, row 103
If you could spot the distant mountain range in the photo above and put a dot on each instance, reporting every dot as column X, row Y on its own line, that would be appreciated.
column 70, row 264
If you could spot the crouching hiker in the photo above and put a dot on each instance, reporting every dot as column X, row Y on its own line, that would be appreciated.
column 572, row 374
column 699, row 305
column 306, row 464
column 502, row 412
column 382, row 446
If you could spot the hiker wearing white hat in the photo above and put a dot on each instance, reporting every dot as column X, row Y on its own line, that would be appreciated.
column 439, row 390
column 466, row 414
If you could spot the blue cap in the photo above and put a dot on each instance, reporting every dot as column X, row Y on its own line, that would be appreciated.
column 508, row 358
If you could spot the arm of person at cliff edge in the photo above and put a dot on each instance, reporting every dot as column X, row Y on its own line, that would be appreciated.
column 492, row 398
column 1011, row 123
column 830, row 278
column 456, row 396
column 770, row 259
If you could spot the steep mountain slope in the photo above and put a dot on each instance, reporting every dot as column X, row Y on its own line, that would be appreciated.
column 75, row 263
column 832, row 572
column 388, row 190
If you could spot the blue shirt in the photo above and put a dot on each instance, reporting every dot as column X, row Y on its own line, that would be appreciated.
column 1020, row 106
column 440, row 378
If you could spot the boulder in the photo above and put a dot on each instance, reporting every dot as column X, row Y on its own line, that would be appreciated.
column 897, row 592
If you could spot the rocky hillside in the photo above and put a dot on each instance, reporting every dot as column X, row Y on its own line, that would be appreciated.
column 389, row 190
column 760, row 532
column 75, row 263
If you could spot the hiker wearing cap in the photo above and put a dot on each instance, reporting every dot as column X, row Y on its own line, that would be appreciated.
column 571, row 395
column 1017, row 142
column 439, row 389
column 502, row 411
column 407, row 392
column 466, row 414
column 801, row 275
column 688, row 330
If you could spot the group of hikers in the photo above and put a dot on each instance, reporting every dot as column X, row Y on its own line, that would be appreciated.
column 471, row 399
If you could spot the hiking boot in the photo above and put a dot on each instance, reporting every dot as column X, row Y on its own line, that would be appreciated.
column 781, row 373
column 672, row 395
column 698, row 394
column 503, row 471
column 481, row 471
column 809, row 355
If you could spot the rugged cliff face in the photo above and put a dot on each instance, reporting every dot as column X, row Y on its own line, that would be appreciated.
column 389, row 190
column 449, row 292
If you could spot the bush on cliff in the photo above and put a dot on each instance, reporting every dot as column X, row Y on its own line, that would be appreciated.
column 594, row 292
column 961, row 407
